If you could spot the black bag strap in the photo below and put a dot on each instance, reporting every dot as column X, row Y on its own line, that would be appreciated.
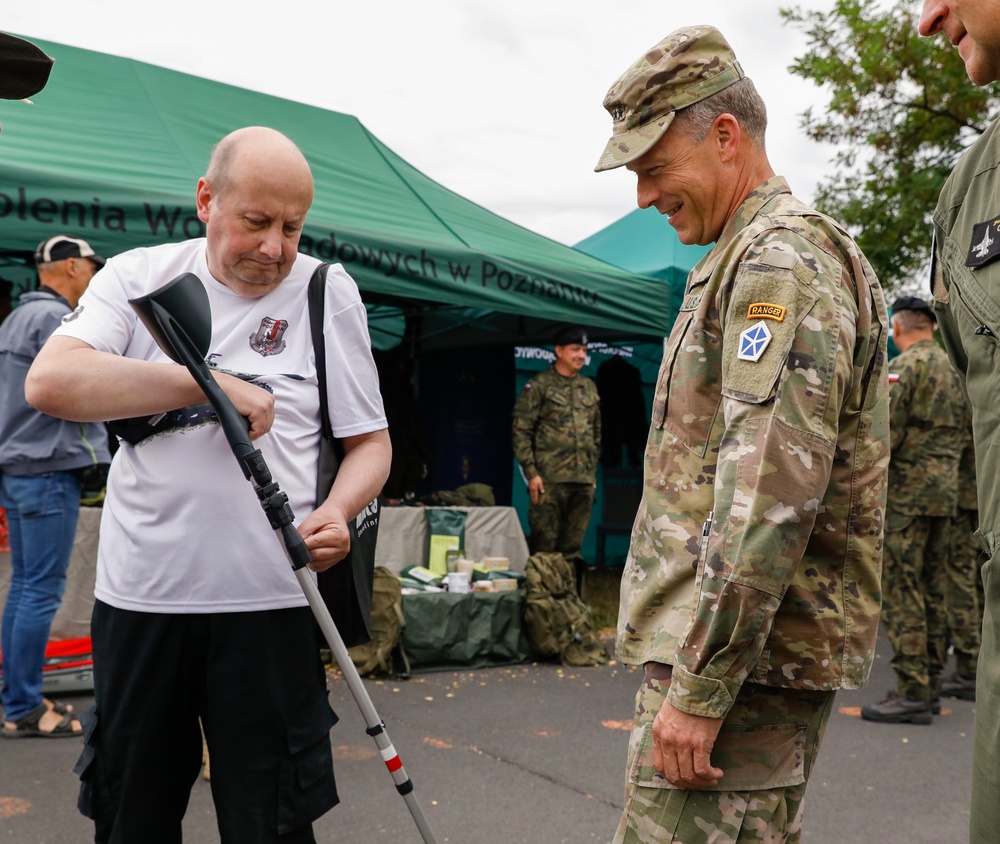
column 317, row 307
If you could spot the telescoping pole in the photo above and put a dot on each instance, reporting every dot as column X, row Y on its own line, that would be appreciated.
column 376, row 727
column 178, row 315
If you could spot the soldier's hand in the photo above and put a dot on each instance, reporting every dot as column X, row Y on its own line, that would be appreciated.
column 682, row 748
column 536, row 488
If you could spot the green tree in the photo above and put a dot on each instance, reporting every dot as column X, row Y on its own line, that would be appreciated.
column 901, row 110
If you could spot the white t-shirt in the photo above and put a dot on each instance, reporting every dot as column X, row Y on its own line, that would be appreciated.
column 182, row 529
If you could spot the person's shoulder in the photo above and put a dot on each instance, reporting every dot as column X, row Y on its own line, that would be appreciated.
column 160, row 254
column 535, row 386
column 979, row 157
column 38, row 305
column 341, row 288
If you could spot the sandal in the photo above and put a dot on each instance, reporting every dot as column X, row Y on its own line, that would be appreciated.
column 58, row 706
column 27, row 727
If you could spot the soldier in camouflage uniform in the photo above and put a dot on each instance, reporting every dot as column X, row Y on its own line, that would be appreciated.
column 964, row 587
column 557, row 440
column 927, row 429
column 751, row 589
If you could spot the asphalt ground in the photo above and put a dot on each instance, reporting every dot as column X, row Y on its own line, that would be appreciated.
column 535, row 753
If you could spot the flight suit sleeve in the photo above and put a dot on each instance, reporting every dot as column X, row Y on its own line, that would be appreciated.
column 787, row 362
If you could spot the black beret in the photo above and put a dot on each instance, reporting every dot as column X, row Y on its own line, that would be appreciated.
column 571, row 335
column 913, row 303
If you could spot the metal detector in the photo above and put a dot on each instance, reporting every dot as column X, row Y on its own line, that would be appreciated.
column 179, row 317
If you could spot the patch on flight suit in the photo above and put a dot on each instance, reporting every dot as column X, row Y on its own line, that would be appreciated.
column 765, row 310
column 985, row 245
column 893, row 377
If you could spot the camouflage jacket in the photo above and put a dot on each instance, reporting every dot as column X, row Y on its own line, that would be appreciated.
column 557, row 428
column 766, row 467
column 927, row 432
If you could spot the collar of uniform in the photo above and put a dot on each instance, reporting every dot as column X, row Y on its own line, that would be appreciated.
column 757, row 200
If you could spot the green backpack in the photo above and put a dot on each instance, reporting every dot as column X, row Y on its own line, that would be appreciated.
column 557, row 621
column 384, row 653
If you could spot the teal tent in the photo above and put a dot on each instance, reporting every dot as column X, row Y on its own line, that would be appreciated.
column 644, row 242
column 112, row 149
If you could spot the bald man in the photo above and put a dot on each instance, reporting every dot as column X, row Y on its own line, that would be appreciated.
column 198, row 614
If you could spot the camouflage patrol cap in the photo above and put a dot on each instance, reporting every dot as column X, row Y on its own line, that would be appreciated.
column 688, row 65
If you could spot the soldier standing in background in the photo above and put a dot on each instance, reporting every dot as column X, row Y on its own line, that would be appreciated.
column 927, row 430
column 964, row 587
column 557, row 441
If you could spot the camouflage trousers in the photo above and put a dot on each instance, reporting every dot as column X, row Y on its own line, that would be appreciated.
column 767, row 747
column 560, row 518
column 964, row 591
column 914, row 583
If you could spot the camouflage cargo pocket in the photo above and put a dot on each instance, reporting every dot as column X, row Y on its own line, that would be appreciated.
column 896, row 522
column 753, row 758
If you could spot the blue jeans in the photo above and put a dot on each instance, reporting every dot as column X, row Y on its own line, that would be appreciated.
column 42, row 512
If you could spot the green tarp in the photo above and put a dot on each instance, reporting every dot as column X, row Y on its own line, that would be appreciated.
column 112, row 149
column 447, row 630
column 644, row 242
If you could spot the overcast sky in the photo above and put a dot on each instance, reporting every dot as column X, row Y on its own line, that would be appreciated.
column 498, row 100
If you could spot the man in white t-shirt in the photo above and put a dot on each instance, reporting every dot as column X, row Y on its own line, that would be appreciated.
column 198, row 613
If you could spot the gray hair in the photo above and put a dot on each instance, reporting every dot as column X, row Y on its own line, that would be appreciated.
column 740, row 99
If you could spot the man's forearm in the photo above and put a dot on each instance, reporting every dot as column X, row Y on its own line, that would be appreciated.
column 71, row 380
column 363, row 473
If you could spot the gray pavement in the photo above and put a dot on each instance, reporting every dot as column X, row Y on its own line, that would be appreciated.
column 535, row 753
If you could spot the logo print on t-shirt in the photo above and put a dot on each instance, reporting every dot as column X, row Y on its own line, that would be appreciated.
column 268, row 339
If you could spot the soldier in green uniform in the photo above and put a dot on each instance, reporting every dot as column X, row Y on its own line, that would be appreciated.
column 751, row 588
column 927, row 431
column 966, row 287
column 964, row 587
column 557, row 440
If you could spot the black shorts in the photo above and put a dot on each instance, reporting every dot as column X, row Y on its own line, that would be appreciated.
column 256, row 683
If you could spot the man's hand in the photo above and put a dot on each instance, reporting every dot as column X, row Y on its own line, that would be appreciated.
column 536, row 488
column 252, row 402
column 682, row 748
column 326, row 536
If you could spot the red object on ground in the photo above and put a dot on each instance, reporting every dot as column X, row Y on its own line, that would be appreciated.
column 69, row 666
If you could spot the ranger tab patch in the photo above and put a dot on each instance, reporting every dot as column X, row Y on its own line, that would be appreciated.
column 753, row 342
column 985, row 244
column 765, row 310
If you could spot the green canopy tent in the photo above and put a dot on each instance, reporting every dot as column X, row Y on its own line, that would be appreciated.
column 644, row 243
column 112, row 148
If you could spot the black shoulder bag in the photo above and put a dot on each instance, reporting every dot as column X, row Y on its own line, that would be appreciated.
column 347, row 586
